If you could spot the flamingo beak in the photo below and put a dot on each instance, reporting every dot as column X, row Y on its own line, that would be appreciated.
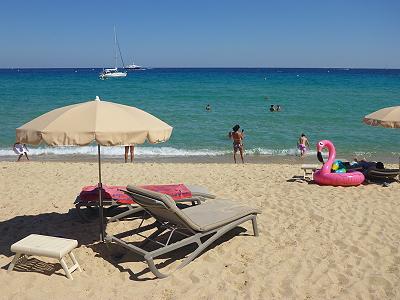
column 319, row 156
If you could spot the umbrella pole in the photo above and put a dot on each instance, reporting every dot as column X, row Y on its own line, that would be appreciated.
column 100, row 187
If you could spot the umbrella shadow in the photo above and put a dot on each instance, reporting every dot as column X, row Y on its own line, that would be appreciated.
column 116, row 255
column 65, row 225
column 300, row 179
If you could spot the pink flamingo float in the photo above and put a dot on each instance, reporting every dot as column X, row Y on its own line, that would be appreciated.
column 324, row 175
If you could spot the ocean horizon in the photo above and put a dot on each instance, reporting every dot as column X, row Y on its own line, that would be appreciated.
column 324, row 103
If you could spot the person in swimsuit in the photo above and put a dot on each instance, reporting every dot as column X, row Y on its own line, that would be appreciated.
column 237, row 138
column 303, row 144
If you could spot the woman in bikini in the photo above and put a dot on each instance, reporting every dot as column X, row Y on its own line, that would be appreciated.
column 237, row 138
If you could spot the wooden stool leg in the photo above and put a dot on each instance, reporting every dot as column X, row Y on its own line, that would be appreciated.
column 13, row 262
column 65, row 267
column 72, row 256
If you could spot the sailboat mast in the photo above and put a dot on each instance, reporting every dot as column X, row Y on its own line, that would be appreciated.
column 115, row 46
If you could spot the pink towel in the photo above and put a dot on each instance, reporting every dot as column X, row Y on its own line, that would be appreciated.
column 90, row 193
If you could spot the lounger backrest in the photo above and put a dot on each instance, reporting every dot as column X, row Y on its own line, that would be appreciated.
column 162, row 207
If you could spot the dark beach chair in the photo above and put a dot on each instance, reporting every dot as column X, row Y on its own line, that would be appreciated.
column 375, row 174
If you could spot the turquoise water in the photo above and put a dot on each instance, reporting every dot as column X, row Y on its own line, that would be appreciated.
column 322, row 103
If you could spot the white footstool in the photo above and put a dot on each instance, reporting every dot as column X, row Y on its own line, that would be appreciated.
column 309, row 169
column 47, row 246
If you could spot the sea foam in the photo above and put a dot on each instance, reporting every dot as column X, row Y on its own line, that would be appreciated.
column 148, row 151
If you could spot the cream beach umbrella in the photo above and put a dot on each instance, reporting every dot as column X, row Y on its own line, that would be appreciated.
column 102, row 122
column 388, row 117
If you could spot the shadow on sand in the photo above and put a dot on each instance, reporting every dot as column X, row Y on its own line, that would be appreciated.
column 68, row 225
column 300, row 179
column 117, row 255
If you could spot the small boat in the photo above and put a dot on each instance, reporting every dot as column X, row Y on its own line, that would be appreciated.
column 134, row 67
column 113, row 72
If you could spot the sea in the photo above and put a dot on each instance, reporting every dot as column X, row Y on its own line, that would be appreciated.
column 321, row 103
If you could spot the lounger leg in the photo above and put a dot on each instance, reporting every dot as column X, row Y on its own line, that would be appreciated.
column 14, row 261
column 72, row 256
column 130, row 211
column 65, row 267
column 255, row 227
column 153, row 268
column 157, row 273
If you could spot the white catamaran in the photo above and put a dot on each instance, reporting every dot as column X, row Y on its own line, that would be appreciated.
column 114, row 73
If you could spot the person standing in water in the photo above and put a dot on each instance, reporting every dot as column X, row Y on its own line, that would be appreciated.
column 237, row 138
column 303, row 144
column 130, row 148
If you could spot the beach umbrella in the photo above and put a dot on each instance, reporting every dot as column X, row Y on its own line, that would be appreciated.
column 388, row 117
column 105, row 123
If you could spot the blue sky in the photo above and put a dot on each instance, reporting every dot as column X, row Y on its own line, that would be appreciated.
column 229, row 33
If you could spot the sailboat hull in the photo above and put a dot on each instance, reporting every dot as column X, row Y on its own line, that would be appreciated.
column 113, row 75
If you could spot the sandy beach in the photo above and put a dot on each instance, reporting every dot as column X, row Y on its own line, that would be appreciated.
column 315, row 242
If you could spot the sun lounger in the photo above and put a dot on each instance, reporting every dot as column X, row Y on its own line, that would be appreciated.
column 113, row 197
column 193, row 224
column 381, row 174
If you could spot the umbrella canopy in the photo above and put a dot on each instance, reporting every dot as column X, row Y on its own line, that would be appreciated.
column 106, row 123
column 388, row 117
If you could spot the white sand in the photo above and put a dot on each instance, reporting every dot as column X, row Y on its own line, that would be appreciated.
column 315, row 242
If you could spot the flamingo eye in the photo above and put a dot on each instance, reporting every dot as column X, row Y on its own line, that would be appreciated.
column 321, row 144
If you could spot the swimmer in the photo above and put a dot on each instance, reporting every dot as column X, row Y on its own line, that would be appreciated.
column 272, row 108
column 208, row 107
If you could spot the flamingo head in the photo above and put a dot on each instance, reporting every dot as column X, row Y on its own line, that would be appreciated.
column 321, row 145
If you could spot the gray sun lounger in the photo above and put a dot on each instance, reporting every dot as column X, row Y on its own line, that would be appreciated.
column 199, row 193
column 210, row 219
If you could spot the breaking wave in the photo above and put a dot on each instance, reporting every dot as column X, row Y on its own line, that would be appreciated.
column 148, row 151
